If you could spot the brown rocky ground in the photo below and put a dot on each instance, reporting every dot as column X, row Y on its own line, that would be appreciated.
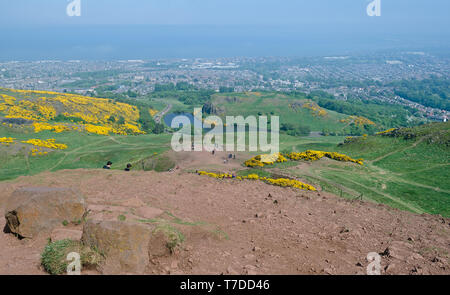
column 270, row 230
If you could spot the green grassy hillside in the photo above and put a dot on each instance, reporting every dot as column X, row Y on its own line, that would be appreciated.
column 84, row 151
column 407, row 169
column 291, row 110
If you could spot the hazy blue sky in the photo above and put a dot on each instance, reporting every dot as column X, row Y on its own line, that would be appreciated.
column 267, row 12
column 107, row 28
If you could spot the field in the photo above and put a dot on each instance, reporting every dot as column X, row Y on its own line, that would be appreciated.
column 84, row 151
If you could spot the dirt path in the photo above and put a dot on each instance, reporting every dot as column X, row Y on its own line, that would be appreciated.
column 158, row 117
column 393, row 177
column 76, row 150
column 425, row 169
column 204, row 160
column 397, row 151
column 394, row 199
column 316, row 174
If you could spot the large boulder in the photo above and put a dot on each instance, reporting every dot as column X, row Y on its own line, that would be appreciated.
column 124, row 244
column 32, row 210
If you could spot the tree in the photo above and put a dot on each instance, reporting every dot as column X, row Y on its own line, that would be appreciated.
column 224, row 89
column 159, row 128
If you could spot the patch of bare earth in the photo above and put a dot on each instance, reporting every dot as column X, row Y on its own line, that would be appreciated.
column 271, row 230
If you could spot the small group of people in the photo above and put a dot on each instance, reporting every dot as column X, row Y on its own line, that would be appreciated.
column 109, row 164
column 226, row 160
column 230, row 156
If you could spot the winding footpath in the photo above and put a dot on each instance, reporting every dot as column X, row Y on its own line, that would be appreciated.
column 158, row 117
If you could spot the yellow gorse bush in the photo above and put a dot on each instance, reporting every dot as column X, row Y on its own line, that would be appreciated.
column 6, row 140
column 49, row 143
column 124, row 129
column 40, row 126
column 309, row 155
column 358, row 120
column 215, row 175
column 92, row 111
column 152, row 112
column 284, row 182
column 101, row 130
column 262, row 160
column 315, row 109
column 386, row 131
column 312, row 155
column 37, row 152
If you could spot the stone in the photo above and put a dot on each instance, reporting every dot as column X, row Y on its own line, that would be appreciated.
column 399, row 250
column 125, row 244
column 32, row 210
column 59, row 234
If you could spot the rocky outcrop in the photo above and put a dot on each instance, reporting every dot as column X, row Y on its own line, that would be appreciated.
column 211, row 109
column 30, row 211
column 124, row 244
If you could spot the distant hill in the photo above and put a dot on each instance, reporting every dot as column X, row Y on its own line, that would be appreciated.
column 294, row 112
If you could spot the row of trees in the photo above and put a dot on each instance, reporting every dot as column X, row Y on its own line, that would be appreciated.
column 295, row 130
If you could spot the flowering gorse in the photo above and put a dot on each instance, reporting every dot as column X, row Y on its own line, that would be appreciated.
column 386, row 131
column 311, row 155
column 97, row 115
column 6, row 140
column 49, row 143
column 284, row 182
column 263, row 160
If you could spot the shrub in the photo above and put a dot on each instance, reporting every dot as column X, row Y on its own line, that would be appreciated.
column 53, row 258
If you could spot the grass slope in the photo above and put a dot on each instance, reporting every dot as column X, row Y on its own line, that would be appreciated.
column 84, row 151
column 245, row 104
column 409, row 174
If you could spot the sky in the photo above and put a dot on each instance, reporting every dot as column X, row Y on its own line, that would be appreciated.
column 224, row 12
column 113, row 28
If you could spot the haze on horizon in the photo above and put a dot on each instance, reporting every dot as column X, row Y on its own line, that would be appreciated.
column 116, row 29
